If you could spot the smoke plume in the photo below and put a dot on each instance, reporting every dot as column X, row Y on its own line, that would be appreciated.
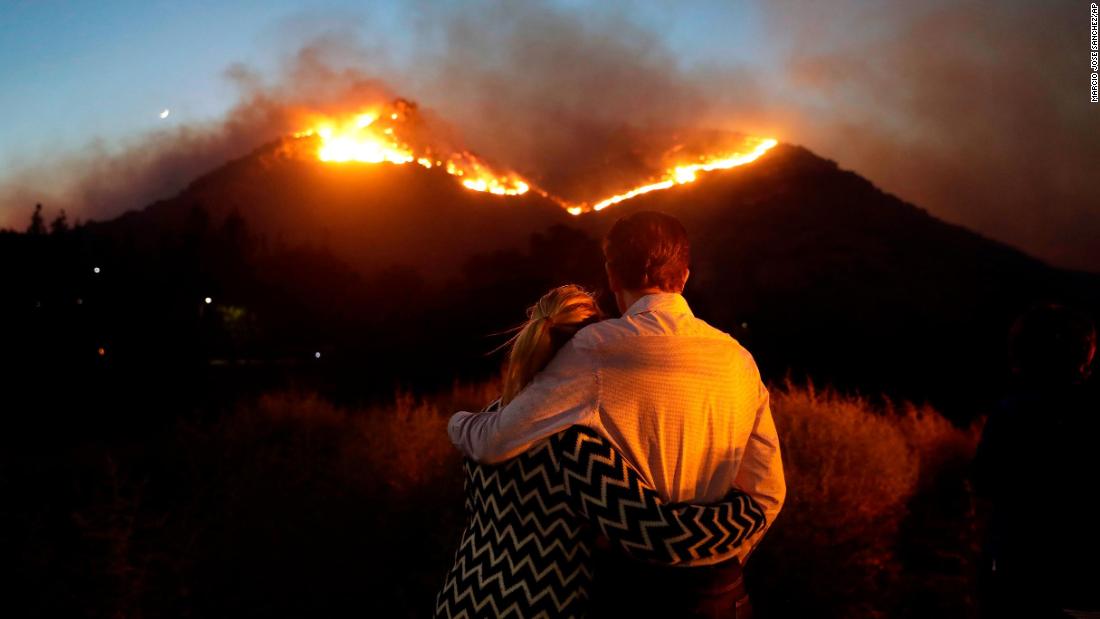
column 978, row 113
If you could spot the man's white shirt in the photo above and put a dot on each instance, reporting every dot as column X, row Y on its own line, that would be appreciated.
column 682, row 401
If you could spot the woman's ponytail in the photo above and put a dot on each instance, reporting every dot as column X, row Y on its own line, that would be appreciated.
column 550, row 323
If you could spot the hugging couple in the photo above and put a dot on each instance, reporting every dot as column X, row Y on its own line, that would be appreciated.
column 630, row 465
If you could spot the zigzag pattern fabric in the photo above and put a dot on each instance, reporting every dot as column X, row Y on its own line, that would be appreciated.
column 526, row 549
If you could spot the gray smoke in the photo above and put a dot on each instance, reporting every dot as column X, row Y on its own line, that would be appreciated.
column 977, row 112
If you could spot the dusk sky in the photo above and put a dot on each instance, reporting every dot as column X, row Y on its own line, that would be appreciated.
column 978, row 112
column 78, row 71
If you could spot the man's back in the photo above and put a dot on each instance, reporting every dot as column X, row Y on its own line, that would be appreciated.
column 682, row 402
column 676, row 396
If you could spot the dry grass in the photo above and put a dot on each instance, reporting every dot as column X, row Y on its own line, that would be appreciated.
column 288, row 506
column 853, row 471
column 291, row 506
column 850, row 470
column 360, row 495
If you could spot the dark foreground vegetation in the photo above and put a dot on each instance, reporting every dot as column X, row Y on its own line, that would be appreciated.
column 290, row 506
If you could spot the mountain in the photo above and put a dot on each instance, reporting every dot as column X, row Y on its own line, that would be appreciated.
column 397, row 273
column 373, row 216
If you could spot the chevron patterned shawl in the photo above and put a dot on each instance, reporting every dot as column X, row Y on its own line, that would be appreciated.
column 532, row 521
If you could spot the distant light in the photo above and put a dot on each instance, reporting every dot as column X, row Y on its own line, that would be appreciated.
column 208, row 300
column 95, row 270
column 165, row 113
column 744, row 325
column 80, row 301
column 102, row 351
column 316, row 355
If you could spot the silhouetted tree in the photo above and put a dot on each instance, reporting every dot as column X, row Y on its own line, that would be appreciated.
column 235, row 238
column 196, row 233
column 60, row 224
column 38, row 224
column 197, row 225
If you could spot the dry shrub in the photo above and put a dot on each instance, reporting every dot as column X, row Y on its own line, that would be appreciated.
column 850, row 470
column 399, row 449
column 943, row 446
column 940, row 541
column 293, row 506
column 287, row 506
column 853, row 470
column 407, row 445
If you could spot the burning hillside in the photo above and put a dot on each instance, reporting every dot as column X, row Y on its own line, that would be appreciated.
column 395, row 133
column 383, row 182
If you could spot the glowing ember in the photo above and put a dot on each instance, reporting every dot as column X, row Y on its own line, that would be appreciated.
column 379, row 136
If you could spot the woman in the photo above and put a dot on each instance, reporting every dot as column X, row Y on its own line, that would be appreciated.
column 532, row 522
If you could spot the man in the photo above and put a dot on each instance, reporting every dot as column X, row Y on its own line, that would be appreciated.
column 682, row 401
column 1042, row 561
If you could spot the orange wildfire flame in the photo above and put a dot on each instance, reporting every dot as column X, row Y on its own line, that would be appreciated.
column 362, row 138
column 687, row 173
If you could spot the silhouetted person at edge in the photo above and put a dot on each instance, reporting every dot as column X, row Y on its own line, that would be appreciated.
column 1043, row 557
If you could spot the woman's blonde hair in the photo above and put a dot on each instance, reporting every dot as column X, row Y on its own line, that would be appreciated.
column 558, row 315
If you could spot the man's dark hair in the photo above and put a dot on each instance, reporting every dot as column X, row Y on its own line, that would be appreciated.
column 1052, row 343
column 648, row 250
